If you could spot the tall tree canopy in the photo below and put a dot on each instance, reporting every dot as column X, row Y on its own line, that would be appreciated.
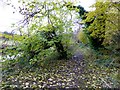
column 45, row 29
column 101, row 24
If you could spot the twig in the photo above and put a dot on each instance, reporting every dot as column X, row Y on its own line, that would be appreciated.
column 106, row 83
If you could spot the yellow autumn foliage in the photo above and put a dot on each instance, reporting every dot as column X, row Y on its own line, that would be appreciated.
column 82, row 37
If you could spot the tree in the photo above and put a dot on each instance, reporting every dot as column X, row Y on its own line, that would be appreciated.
column 45, row 30
column 99, row 22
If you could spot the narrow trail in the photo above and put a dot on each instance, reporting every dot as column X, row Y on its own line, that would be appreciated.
column 71, row 73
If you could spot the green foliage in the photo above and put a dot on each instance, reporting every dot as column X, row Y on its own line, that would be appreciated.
column 101, row 29
column 102, row 25
column 48, row 34
column 33, row 59
column 82, row 37
column 102, row 70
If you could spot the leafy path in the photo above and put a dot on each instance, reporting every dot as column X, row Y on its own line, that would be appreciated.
column 59, row 74
column 75, row 73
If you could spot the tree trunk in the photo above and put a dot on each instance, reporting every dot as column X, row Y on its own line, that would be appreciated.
column 60, row 50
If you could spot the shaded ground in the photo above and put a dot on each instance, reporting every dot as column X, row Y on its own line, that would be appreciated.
column 63, row 74
column 75, row 73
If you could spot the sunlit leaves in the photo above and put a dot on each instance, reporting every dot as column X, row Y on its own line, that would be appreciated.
column 102, row 23
column 46, row 30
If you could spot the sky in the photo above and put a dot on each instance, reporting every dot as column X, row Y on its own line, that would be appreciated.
column 7, row 17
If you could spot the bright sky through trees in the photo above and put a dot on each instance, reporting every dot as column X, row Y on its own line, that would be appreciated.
column 7, row 17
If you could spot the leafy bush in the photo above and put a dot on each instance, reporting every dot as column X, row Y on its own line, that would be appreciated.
column 101, row 25
column 46, row 36
column 83, row 37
